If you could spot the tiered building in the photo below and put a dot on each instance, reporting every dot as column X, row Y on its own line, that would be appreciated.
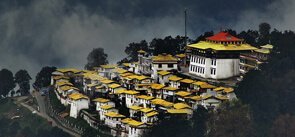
column 218, row 57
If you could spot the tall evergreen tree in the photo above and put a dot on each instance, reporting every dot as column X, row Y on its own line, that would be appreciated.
column 6, row 82
column 22, row 78
column 96, row 58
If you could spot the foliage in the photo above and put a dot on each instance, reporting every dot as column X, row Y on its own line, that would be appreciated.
column 283, row 126
column 43, row 78
column 270, row 91
column 231, row 120
column 157, row 46
column 132, row 48
column 96, row 58
column 27, row 125
column 6, row 81
column 179, row 127
column 22, row 78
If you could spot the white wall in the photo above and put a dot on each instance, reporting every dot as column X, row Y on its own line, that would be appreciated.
column 77, row 105
column 224, row 68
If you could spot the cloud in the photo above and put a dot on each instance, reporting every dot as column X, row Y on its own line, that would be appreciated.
column 61, row 33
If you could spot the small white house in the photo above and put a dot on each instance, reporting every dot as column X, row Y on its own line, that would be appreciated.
column 174, row 81
column 163, row 62
column 78, row 101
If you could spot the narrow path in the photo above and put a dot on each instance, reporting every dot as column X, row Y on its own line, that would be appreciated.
column 42, row 113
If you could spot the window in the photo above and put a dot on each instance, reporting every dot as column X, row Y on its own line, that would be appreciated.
column 213, row 62
column 213, row 71
column 170, row 65
column 160, row 65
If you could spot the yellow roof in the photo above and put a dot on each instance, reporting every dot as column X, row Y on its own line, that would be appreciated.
column 179, row 111
column 227, row 90
column 196, row 98
column 60, row 77
column 133, row 76
column 183, row 93
column 181, row 55
column 267, row 46
column 114, row 85
column 157, row 86
column 106, row 107
column 108, row 66
column 263, row 51
column 188, row 81
column 135, row 107
column 65, row 88
column 101, row 100
column 124, row 91
column 65, row 70
column 99, row 87
column 220, row 47
column 120, row 70
column 164, row 58
column 141, row 77
column 153, row 113
column 131, row 92
column 92, row 85
column 132, row 122
column 174, row 78
column 126, row 74
column 170, row 88
column 207, row 97
column 198, row 83
column 106, row 81
column 163, row 73
column 126, row 64
column 181, row 106
column 93, row 76
column 126, row 120
column 207, row 86
column 77, row 96
column 146, row 110
column 161, row 102
column 114, row 115
column 221, row 97
column 145, row 97
column 62, row 83
column 141, row 51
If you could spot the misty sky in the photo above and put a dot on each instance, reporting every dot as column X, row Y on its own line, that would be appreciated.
column 36, row 33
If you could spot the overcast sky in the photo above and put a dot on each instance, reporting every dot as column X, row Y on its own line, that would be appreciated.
column 36, row 33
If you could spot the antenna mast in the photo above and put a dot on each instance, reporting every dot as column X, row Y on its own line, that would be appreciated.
column 185, row 21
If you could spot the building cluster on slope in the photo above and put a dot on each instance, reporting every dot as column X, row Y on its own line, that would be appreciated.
column 133, row 97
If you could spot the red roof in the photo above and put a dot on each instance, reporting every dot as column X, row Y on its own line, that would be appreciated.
column 223, row 36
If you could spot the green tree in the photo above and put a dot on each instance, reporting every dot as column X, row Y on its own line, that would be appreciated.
column 132, row 48
column 172, row 127
column 199, row 120
column 264, row 31
column 22, row 78
column 283, row 126
column 96, row 58
column 6, row 82
column 231, row 120
column 43, row 77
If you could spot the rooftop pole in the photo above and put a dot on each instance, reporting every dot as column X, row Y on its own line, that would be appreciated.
column 185, row 21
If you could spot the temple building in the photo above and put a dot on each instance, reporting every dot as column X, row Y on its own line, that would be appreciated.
column 218, row 57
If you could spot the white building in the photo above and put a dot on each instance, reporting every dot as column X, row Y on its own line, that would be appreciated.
column 163, row 62
column 218, row 56
column 78, row 101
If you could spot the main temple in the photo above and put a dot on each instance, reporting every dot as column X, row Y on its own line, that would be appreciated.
column 218, row 57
